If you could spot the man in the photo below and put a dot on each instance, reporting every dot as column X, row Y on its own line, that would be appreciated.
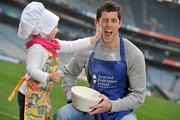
column 115, row 68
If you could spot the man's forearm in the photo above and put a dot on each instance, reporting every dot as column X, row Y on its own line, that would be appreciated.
column 132, row 101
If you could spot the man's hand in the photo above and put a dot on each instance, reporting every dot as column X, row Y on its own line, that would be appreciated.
column 104, row 106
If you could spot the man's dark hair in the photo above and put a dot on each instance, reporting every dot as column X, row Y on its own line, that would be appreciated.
column 108, row 6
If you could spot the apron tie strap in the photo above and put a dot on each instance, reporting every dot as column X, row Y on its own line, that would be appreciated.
column 13, row 93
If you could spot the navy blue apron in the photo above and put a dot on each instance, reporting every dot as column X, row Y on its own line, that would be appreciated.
column 109, row 78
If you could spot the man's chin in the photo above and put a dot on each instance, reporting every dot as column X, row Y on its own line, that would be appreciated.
column 107, row 39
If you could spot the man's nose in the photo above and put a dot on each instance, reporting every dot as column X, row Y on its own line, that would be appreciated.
column 109, row 23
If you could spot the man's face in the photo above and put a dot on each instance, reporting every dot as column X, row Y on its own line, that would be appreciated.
column 110, row 24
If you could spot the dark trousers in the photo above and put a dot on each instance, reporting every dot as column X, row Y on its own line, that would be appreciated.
column 21, row 102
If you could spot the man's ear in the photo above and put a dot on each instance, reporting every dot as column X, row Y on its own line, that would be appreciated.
column 120, row 23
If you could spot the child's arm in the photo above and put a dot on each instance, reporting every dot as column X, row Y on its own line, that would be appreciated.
column 71, row 46
column 35, row 60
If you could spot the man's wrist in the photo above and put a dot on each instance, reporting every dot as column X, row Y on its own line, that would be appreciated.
column 110, row 107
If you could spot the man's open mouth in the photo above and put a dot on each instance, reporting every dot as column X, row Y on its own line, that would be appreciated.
column 108, row 33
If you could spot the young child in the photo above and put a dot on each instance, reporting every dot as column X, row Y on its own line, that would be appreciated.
column 42, row 60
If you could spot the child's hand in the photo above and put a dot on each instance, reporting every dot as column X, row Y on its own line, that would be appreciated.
column 97, row 36
column 55, row 76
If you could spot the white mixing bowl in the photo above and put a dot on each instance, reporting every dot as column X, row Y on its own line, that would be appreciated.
column 84, row 97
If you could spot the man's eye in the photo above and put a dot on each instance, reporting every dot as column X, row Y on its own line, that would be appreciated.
column 114, row 20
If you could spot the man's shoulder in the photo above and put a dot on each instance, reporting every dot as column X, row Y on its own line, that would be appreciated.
column 132, row 53
column 131, row 47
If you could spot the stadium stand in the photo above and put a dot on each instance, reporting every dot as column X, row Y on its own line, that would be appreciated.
column 164, row 79
column 165, row 21
column 10, row 44
column 140, row 14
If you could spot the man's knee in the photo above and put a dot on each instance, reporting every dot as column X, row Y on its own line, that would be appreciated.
column 130, row 116
column 58, row 115
column 61, row 114
column 67, row 112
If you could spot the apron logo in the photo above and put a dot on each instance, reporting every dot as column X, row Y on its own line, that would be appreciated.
column 94, row 78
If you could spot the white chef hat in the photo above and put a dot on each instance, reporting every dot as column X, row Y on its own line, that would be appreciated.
column 36, row 19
